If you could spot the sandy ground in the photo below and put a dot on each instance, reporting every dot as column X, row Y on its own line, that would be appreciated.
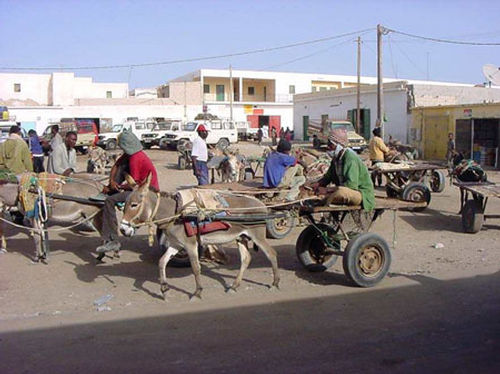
column 438, row 310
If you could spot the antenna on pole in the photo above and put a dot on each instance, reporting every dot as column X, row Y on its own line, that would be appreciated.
column 358, row 90
column 380, row 83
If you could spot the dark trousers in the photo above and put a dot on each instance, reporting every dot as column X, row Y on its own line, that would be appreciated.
column 203, row 177
column 378, row 175
column 38, row 164
column 109, row 220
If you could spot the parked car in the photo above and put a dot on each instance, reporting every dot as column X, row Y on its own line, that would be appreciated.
column 220, row 133
column 109, row 140
column 159, row 130
column 245, row 131
column 5, row 128
column 319, row 133
column 86, row 132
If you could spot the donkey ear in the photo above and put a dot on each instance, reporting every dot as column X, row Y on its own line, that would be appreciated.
column 131, row 182
column 147, row 182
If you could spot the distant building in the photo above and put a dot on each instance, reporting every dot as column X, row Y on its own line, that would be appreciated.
column 400, row 97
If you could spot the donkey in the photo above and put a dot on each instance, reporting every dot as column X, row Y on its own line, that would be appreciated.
column 9, row 192
column 145, row 206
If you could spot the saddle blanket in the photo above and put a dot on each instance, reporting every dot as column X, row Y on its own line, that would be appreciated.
column 192, row 200
column 204, row 227
column 29, row 183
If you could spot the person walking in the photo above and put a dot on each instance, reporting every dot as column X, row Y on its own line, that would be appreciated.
column 378, row 151
column 199, row 156
column 274, row 136
column 36, row 152
column 260, row 134
column 15, row 155
column 450, row 151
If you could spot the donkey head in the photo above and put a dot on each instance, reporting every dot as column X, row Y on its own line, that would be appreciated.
column 138, row 208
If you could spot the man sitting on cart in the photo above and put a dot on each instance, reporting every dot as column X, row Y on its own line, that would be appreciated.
column 353, row 185
column 284, row 171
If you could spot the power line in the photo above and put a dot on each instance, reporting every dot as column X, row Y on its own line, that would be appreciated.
column 262, row 50
column 441, row 40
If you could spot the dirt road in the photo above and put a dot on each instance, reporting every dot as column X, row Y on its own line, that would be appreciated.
column 438, row 310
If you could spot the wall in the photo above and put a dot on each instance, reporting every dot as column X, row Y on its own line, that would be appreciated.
column 34, row 88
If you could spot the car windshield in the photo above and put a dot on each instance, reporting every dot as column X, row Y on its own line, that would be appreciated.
column 190, row 126
column 117, row 128
column 348, row 127
column 163, row 126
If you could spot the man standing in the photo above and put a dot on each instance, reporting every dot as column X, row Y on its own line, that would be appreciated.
column 450, row 151
column 36, row 151
column 281, row 171
column 378, row 151
column 14, row 153
column 56, row 138
column 138, row 165
column 347, row 171
column 199, row 156
column 274, row 135
column 62, row 160
column 260, row 134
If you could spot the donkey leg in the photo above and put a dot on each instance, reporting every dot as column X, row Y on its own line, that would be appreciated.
column 192, row 250
column 245, row 257
column 37, row 240
column 271, row 256
column 171, row 251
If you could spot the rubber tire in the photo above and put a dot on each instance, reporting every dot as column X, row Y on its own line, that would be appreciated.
column 350, row 260
column 273, row 233
column 181, row 163
column 222, row 144
column 438, row 175
column 180, row 260
column 310, row 237
column 111, row 145
column 391, row 192
column 316, row 143
column 414, row 187
column 472, row 216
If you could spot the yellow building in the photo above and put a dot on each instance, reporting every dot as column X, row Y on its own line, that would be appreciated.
column 475, row 128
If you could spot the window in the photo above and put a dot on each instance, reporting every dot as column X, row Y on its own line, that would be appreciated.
column 291, row 89
column 109, row 94
column 206, row 88
column 251, row 90
column 17, row 87
column 322, row 88
column 216, row 125
column 313, row 89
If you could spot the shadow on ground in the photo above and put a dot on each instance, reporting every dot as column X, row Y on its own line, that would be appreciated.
column 430, row 327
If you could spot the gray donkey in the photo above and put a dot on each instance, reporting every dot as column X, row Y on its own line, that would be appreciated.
column 146, row 206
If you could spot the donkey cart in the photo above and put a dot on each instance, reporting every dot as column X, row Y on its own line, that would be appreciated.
column 473, row 199
column 340, row 230
column 412, row 182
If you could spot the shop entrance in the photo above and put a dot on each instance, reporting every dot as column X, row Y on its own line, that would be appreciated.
column 478, row 138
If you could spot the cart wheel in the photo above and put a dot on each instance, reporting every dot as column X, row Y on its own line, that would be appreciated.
column 417, row 192
column 437, row 181
column 278, row 228
column 367, row 259
column 181, row 163
column 311, row 248
column 472, row 216
column 391, row 192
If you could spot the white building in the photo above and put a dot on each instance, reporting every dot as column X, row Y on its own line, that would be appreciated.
column 399, row 98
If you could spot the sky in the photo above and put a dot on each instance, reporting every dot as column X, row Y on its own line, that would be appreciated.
column 69, row 34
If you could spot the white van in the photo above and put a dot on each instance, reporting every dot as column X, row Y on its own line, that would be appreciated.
column 220, row 133
column 108, row 140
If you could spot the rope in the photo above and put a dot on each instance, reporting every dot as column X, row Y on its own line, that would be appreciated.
column 40, row 231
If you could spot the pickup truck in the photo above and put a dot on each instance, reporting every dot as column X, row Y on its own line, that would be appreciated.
column 319, row 133
column 109, row 140
column 220, row 133
column 159, row 130
column 246, row 132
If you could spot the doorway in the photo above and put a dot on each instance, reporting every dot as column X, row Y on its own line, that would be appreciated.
column 219, row 91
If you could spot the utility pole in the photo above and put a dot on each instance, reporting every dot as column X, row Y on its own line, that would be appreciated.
column 380, row 87
column 358, row 91
column 230, row 93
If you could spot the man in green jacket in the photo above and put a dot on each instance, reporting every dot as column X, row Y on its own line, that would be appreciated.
column 353, row 184
column 15, row 155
